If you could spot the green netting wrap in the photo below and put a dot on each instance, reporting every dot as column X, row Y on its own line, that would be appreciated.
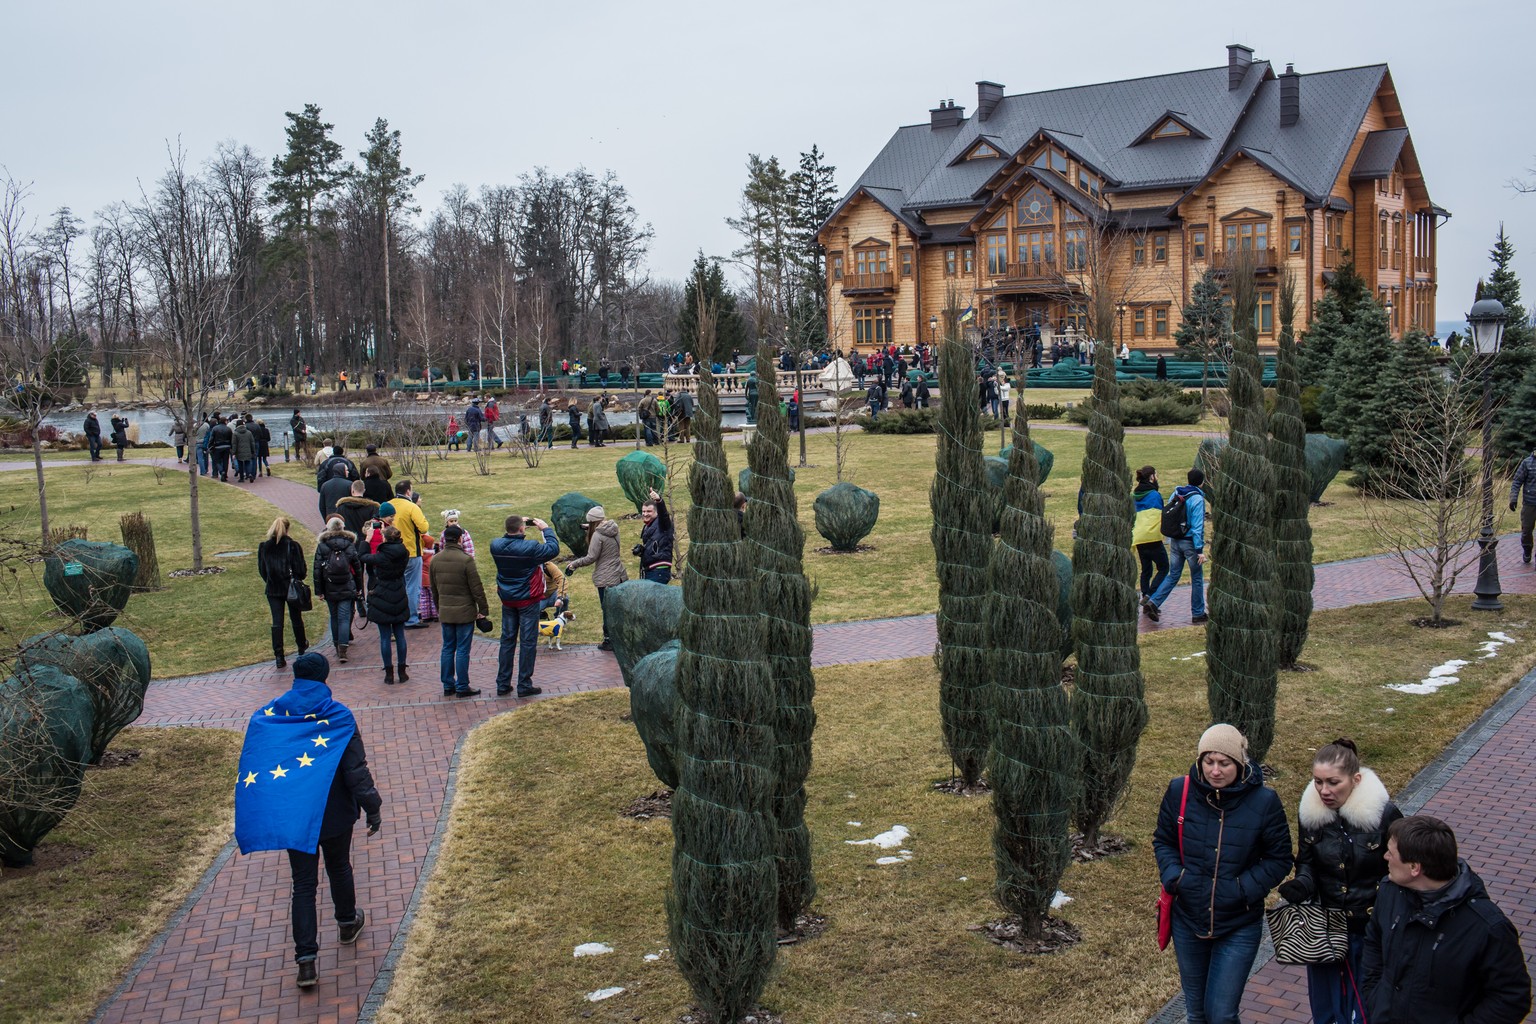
column 567, row 515
column 642, row 617
column 1208, row 461
column 45, row 744
column 1063, row 566
column 1045, row 460
column 1293, row 533
column 1108, row 708
column 652, row 700
column 1032, row 762
column 90, row 581
column 845, row 515
column 962, row 544
column 639, row 474
column 722, row 906
column 744, row 478
column 113, row 665
column 777, row 543
column 1240, row 664
column 1325, row 457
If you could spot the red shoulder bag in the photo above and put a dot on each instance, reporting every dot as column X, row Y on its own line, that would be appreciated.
column 1164, row 897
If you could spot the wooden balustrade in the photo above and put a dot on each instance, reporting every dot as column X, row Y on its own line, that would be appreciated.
column 869, row 282
column 735, row 383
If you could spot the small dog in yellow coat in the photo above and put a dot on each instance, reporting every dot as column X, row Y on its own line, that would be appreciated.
column 550, row 630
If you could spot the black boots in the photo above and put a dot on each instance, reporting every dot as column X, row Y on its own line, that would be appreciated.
column 277, row 648
column 404, row 675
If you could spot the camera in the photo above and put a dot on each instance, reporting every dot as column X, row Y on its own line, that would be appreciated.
column 637, row 550
column 527, row 521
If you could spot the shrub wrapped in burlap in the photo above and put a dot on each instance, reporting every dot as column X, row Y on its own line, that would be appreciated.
column 744, row 478
column 1045, row 460
column 113, row 663
column 642, row 618
column 568, row 515
column 90, row 581
column 1326, row 456
column 639, row 474
column 845, row 515
column 652, row 697
column 45, row 744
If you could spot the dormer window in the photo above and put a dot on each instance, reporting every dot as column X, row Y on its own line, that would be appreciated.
column 1170, row 129
column 1171, row 125
column 982, row 151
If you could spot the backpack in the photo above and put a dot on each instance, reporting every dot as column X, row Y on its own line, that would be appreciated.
column 337, row 569
column 1175, row 523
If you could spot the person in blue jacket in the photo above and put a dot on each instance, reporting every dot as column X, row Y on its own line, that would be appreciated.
column 520, row 586
column 1236, row 847
column 1190, row 547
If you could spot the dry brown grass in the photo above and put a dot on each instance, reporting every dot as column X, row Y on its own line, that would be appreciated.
column 538, row 860
column 149, row 829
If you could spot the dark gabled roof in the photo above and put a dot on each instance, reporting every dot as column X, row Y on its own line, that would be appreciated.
column 948, row 234
column 1144, row 219
column 1106, row 125
column 1378, row 156
column 1054, row 182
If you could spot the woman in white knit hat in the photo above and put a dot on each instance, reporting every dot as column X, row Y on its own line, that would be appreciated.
column 603, row 555
column 1220, row 862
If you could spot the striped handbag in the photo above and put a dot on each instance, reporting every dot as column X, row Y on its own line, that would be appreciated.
column 1308, row 933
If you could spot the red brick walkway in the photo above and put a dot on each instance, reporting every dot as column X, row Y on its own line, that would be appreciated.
column 228, row 957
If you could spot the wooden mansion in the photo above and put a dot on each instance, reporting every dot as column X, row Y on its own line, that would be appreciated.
column 1004, row 206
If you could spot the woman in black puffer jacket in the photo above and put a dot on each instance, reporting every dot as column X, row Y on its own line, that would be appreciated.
column 387, row 603
column 1341, row 858
column 1236, row 848
column 280, row 560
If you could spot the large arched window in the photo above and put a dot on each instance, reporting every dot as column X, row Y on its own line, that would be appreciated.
column 1035, row 207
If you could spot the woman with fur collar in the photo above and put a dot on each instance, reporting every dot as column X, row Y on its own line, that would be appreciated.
column 1340, row 862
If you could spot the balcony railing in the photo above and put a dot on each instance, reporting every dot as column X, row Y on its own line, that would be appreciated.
column 1030, row 270
column 869, row 282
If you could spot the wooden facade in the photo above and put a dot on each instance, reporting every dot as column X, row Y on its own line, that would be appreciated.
column 1020, row 249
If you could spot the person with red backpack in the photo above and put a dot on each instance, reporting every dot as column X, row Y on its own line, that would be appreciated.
column 520, row 586
column 1184, row 526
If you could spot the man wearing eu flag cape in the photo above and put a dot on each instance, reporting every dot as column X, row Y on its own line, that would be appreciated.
column 303, row 779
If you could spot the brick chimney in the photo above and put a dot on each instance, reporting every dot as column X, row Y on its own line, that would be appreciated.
column 945, row 115
column 1290, row 97
column 1238, row 59
column 988, row 96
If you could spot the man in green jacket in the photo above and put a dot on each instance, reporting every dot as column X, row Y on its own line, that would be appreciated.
column 460, row 598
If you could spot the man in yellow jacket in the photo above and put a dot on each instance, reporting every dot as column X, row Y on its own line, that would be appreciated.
column 411, row 523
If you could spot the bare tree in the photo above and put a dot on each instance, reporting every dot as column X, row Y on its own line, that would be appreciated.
column 1428, row 515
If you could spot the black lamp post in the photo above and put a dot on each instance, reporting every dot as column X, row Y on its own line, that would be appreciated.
column 1120, row 325
column 933, row 329
column 1487, row 325
column 1391, row 327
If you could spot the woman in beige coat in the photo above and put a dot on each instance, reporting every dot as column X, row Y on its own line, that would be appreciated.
column 603, row 555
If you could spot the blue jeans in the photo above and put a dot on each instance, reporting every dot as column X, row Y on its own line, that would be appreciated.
column 519, row 635
column 1335, row 992
column 1214, row 972
column 454, row 661
column 1183, row 551
column 202, row 461
column 341, row 621
column 413, row 588
column 660, row 574
column 94, row 442
column 474, row 437
column 306, row 880
column 387, row 630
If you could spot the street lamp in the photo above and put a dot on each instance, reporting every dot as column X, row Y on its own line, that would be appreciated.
column 933, row 329
column 1120, row 324
column 1487, row 325
column 1388, row 307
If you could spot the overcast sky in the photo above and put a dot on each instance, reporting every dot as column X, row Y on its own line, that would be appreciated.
column 672, row 96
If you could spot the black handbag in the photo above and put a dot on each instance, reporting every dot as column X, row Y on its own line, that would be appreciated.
column 299, row 595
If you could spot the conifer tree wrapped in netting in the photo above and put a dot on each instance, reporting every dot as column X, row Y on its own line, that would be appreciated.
column 845, row 515
column 1109, row 710
column 1326, row 456
column 722, row 907
column 568, row 515
column 1241, row 669
column 1292, row 502
column 962, row 544
column 777, row 543
column 1032, row 763
column 639, row 474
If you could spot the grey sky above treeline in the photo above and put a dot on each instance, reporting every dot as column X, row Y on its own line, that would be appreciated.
column 673, row 96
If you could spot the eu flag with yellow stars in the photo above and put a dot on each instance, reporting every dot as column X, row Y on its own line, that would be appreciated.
column 293, row 747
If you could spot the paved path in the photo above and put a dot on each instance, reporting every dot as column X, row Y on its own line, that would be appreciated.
column 227, row 956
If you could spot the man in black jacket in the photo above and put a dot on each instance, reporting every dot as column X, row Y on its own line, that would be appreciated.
column 333, row 490
column 328, row 467
column 93, row 435
column 1437, row 949
column 221, row 441
column 656, row 540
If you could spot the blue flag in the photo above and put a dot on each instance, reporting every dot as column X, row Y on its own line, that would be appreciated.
column 967, row 314
column 293, row 748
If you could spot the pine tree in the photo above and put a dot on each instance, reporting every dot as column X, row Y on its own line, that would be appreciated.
column 302, row 180
column 1032, row 762
column 708, row 280
column 1287, row 454
column 1334, row 312
column 387, row 185
column 777, row 543
column 721, row 909
column 1204, row 326
column 1517, row 352
column 1109, row 710
column 814, row 191
column 1359, row 358
column 1395, row 407
column 962, row 544
column 1241, row 661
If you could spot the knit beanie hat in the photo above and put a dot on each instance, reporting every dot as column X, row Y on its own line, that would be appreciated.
column 386, row 509
column 311, row 666
column 1224, row 739
column 595, row 514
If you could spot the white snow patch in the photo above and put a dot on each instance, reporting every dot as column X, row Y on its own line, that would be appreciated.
column 964, row 879
column 592, row 949
column 653, row 956
column 1503, row 638
column 1389, row 710
column 850, row 796
column 903, row 857
column 603, row 993
column 885, row 840
column 1060, row 900
column 856, row 824
column 1192, row 657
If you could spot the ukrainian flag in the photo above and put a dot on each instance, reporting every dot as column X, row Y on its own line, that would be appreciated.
column 968, row 315
column 293, row 747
